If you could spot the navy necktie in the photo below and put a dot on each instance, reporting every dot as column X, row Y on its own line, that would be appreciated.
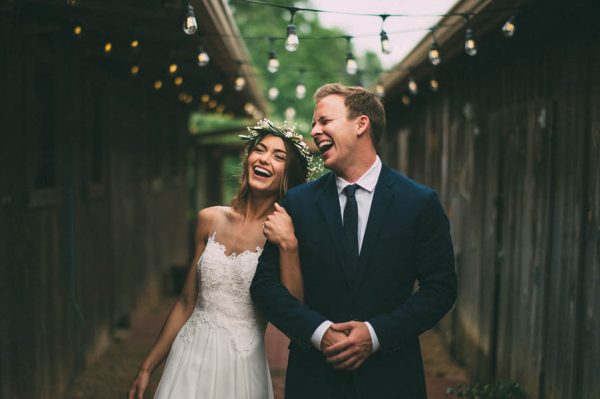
column 351, row 228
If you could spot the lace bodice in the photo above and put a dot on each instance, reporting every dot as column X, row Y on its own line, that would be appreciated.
column 224, row 295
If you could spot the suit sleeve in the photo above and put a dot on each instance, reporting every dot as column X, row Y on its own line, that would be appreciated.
column 293, row 318
column 434, row 262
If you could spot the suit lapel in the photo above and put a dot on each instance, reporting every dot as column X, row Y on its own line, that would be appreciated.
column 382, row 198
column 329, row 204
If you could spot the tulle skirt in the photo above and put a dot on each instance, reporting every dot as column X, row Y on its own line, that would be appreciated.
column 205, row 363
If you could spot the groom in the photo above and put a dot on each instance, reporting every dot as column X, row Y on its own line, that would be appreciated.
column 365, row 235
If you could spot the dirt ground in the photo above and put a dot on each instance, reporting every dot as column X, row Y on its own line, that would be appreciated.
column 110, row 375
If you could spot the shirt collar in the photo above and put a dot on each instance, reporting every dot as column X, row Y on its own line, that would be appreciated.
column 367, row 181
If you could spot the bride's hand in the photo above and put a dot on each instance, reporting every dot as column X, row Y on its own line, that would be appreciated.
column 279, row 229
column 139, row 385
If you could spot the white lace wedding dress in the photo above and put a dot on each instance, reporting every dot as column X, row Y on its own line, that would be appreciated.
column 220, row 352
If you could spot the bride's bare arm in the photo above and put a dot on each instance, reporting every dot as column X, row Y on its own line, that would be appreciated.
column 179, row 314
column 279, row 229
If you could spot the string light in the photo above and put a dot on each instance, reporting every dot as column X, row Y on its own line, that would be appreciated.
column 135, row 69
column 273, row 62
column 405, row 100
column 434, row 52
column 212, row 104
column 434, row 84
column 158, row 84
column 470, row 44
column 273, row 93
column 203, row 58
column 300, row 91
column 218, row 88
column 292, row 41
column 173, row 68
column 178, row 81
column 189, row 22
column 508, row 29
column 386, row 45
column 239, row 83
column 351, row 64
column 380, row 89
column 290, row 114
column 204, row 98
column 77, row 31
column 108, row 47
column 135, row 44
column 220, row 108
column 73, row 3
column 412, row 85
column 300, row 87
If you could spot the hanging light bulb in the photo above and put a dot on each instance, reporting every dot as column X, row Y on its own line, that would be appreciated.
column 386, row 46
column 405, row 100
column 380, row 89
column 77, row 31
column 173, row 68
column 108, row 47
column 218, row 88
column 204, row 98
column 135, row 69
column 134, row 43
column 239, row 83
column 73, row 3
column 412, row 85
column 158, row 84
column 290, row 114
column 273, row 62
column 273, row 93
column 508, row 29
column 189, row 22
column 178, row 81
column 470, row 44
column 292, row 41
column 300, row 91
column 434, row 84
column 434, row 53
column 351, row 64
column 203, row 58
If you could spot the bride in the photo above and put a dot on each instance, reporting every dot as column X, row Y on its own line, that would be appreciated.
column 213, row 335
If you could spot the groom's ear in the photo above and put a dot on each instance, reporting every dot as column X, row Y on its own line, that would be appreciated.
column 362, row 123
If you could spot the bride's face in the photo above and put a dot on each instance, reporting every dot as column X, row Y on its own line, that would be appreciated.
column 266, row 164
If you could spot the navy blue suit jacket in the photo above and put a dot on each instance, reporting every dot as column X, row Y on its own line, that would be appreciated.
column 407, row 239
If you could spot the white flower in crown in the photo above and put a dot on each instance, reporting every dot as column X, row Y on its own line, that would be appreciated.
column 286, row 132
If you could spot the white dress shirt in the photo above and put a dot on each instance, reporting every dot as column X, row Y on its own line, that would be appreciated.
column 364, row 198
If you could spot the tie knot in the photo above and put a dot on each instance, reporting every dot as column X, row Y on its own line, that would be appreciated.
column 350, row 190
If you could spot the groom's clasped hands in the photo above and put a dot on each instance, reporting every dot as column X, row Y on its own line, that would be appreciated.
column 347, row 345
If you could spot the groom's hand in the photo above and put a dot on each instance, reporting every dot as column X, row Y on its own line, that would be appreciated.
column 331, row 337
column 352, row 351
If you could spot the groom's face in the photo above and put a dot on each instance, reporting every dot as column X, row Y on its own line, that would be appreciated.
column 334, row 134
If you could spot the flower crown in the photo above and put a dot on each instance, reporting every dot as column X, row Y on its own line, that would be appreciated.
column 288, row 133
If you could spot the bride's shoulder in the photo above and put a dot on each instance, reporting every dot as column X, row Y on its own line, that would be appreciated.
column 208, row 216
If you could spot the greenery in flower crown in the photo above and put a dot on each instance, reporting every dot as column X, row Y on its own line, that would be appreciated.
column 313, row 164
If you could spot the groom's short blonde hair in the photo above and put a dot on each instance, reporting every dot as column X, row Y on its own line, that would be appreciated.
column 358, row 101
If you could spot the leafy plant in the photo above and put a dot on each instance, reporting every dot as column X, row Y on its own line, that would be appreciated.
column 495, row 390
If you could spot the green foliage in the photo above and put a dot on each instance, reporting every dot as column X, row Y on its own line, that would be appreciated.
column 323, row 60
column 495, row 390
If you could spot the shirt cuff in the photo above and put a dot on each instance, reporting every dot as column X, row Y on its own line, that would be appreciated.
column 374, row 339
column 317, row 336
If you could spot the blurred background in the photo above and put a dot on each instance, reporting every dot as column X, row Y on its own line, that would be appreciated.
column 119, row 121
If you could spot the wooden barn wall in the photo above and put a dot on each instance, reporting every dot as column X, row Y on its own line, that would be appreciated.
column 511, row 142
column 92, row 205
